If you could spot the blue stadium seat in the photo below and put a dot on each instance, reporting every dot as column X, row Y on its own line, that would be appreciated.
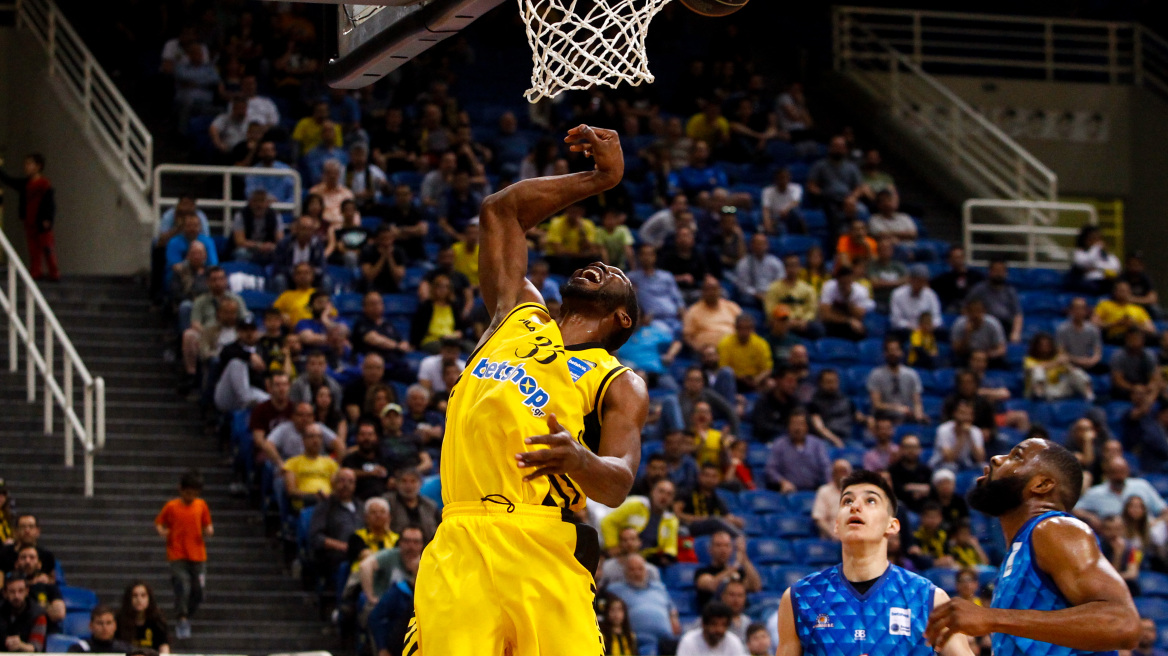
column 926, row 433
column 729, row 498
column 965, row 480
column 1041, row 303
column 815, row 219
column 1154, row 584
column 855, row 379
column 756, row 525
column 78, row 599
column 342, row 278
column 941, row 382
column 348, row 303
column 1158, row 481
column 814, row 551
column 835, row 350
column 790, row 525
column 778, row 578
column 1066, row 412
column 1155, row 608
column 980, row 525
column 59, row 643
column 1016, row 352
column 1043, row 279
column 701, row 547
column 872, row 351
column 413, row 278
column 1116, row 410
column 797, row 244
column 932, row 406
column 763, row 502
column 685, row 601
column 876, row 325
column 400, row 303
column 854, row 456
column 680, row 575
column 412, row 179
column 943, row 578
column 762, row 605
column 987, row 576
column 432, row 489
column 770, row 551
column 77, row 624
column 801, row 502
column 756, row 456
column 257, row 301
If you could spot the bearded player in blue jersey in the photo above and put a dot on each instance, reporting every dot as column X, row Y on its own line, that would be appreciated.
column 1056, row 595
column 864, row 606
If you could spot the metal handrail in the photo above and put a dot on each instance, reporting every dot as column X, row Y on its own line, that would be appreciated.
column 107, row 112
column 963, row 137
column 1036, row 228
column 89, row 428
column 225, row 203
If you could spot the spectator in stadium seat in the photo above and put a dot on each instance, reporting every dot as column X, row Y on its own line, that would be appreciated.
column 1119, row 314
column 41, row 588
column 685, row 262
column 757, row 271
column 931, row 538
column 895, row 388
column 1142, row 290
column 174, row 51
column 953, row 285
column 309, row 131
column 911, row 478
column 976, row 330
column 22, row 621
column 856, row 249
column 368, row 462
column 984, row 416
column 410, row 508
column 1122, row 553
column 400, row 444
column 613, row 569
column 256, row 229
column 1000, row 300
column 279, row 188
column 466, row 252
column 1081, row 339
column 459, row 205
column 780, row 206
column 430, row 369
column 437, row 182
column 884, row 453
column 643, row 352
column 843, row 304
column 375, row 535
column 779, row 336
column 798, row 296
column 728, row 562
column 728, row 244
column 676, row 411
column 885, row 273
column 798, row 461
column 699, row 174
column 827, row 499
column 1049, row 373
column 389, row 619
column 509, row 145
column 709, row 126
column 714, row 636
column 314, row 377
column 444, row 266
column 701, row 511
column 334, row 520
column 332, row 192
column 773, row 410
column 271, row 413
column 571, row 241
column 832, row 413
column 1093, row 269
column 1107, row 498
column 411, row 223
column 383, row 262
column 301, row 247
column 657, row 291
column 834, row 182
column 960, row 445
column 662, row 224
column 286, row 440
column 229, row 129
column 241, row 378
column 616, row 240
column 308, row 477
column 1143, row 432
column 887, row 221
column 954, row 509
column 681, row 467
column 876, row 178
column 381, row 569
column 1132, row 365
column 195, row 84
column 652, row 615
column 315, row 163
column 189, row 281
column 419, row 420
column 748, row 354
column 437, row 317
column 365, row 179
column 909, row 301
column 653, row 518
column 373, row 334
column 190, row 231
column 140, row 622
column 314, row 330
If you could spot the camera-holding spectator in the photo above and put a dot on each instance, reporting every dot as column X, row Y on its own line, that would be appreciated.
column 714, row 638
column 1080, row 339
column 960, row 445
column 1049, row 373
column 835, row 182
column 185, row 524
column 977, row 330
column 895, row 388
column 37, row 207
column 827, row 499
column 1119, row 314
column 652, row 615
column 780, row 205
column 657, row 291
column 655, row 522
column 798, row 461
column 1132, row 365
column 843, row 304
column 336, row 518
column 140, row 622
column 833, row 414
column 103, row 627
column 748, row 354
column 702, row 511
column 1143, row 430
column 911, row 478
column 1093, row 269
column 301, row 248
column 1000, row 300
column 308, row 476
column 885, row 274
column 887, row 221
column 256, row 230
column 757, row 271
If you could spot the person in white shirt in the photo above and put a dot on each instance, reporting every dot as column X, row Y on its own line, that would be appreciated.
column 714, row 637
column 174, row 51
column 229, row 129
column 755, row 272
column 260, row 109
column 888, row 222
column 960, row 444
column 365, row 179
column 911, row 300
column 843, row 304
column 663, row 223
column 1092, row 261
column 430, row 369
column 780, row 204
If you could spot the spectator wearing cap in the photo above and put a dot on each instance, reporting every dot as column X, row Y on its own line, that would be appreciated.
column 798, row 296
column 843, row 304
column 410, row 508
column 909, row 301
column 402, row 448
column 748, row 354
column 241, row 379
column 779, row 337
column 711, row 318
column 757, row 271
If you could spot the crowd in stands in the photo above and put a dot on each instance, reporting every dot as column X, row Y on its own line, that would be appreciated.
column 796, row 323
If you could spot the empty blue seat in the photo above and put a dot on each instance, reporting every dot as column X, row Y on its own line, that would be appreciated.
column 815, row 219
column 801, row 502
column 1066, row 412
column 813, row 551
column 965, row 480
column 1155, row 608
column 413, row 278
column 797, row 244
column 1116, row 410
column 432, row 489
column 943, row 578
column 763, row 502
column 400, row 303
column 876, row 325
column 701, row 547
column 841, row 351
column 348, row 303
column 778, row 578
column 1015, row 353
column 855, row 379
column 769, row 551
column 756, row 456
column 1044, row 279
column 685, row 601
column 1154, row 584
column 941, row 382
column 925, row 433
column 872, row 351
column 1158, row 481
column 342, row 278
column 762, row 605
column 257, row 301
column 854, row 456
column 77, row 624
column 1041, row 303
column 729, row 498
column 59, row 643
column 680, row 575
column 756, row 525
column 932, row 406
column 78, row 599
column 790, row 525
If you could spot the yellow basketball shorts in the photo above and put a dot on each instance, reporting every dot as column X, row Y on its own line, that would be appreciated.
column 506, row 579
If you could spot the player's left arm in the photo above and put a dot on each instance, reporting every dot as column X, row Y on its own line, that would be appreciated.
column 959, row 646
column 1101, row 616
column 607, row 475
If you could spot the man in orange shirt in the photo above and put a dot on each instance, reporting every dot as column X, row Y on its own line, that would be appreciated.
column 856, row 248
column 185, row 523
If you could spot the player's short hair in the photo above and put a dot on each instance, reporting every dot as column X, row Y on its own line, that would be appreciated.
column 1065, row 466
column 868, row 477
column 716, row 610
column 100, row 610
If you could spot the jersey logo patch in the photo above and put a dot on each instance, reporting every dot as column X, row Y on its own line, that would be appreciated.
column 1009, row 567
column 860, row 635
column 516, row 375
column 578, row 368
column 823, row 622
column 899, row 621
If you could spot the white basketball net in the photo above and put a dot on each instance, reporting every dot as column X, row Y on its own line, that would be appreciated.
column 602, row 44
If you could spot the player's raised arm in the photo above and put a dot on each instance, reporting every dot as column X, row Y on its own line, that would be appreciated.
column 507, row 215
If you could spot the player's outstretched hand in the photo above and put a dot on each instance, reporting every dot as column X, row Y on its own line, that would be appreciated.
column 563, row 455
column 957, row 616
column 603, row 146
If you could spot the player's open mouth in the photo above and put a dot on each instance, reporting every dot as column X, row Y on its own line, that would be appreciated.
column 985, row 476
column 855, row 520
column 592, row 273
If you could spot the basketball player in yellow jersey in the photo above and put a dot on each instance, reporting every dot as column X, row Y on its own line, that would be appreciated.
column 542, row 418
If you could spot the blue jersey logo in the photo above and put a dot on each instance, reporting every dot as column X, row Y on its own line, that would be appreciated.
column 578, row 368
column 528, row 386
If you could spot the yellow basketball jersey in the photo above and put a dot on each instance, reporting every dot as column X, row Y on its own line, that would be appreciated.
column 520, row 375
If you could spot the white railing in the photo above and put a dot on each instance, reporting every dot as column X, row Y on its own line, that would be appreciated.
column 89, row 428
column 1025, row 233
column 107, row 113
column 1015, row 46
column 225, row 204
column 972, row 147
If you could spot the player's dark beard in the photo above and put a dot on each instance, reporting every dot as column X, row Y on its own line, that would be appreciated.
column 997, row 496
column 593, row 302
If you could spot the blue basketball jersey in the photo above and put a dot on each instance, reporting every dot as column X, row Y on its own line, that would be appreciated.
column 832, row 618
column 1022, row 586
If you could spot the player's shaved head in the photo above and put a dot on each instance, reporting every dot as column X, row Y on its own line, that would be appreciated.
column 1063, row 466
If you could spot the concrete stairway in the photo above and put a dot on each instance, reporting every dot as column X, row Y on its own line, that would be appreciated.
column 252, row 605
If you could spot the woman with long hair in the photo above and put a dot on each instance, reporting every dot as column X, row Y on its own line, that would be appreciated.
column 140, row 622
column 619, row 639
column 1137, row 528
column 325, row 411
column 1050, row 374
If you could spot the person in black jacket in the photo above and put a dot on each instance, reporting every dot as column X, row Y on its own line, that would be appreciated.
column 37, row 207
column 104, row 626
column 256, row 229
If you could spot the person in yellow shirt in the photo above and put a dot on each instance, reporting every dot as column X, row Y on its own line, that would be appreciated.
column 309, row 130
column 642, row 514
column 571, row 241
column 800, row 298
column 308, row 477
column 748, row 354
column 922, row 344
column 707, row 439
column 709, row 125
column 1116, row 314
column 466, row 253
column 293, row 304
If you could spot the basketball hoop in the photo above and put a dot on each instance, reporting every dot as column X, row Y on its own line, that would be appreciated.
column 578, row 44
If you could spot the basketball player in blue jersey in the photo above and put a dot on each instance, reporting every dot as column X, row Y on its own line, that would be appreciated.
column 1056, row 595
column 865, row 606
